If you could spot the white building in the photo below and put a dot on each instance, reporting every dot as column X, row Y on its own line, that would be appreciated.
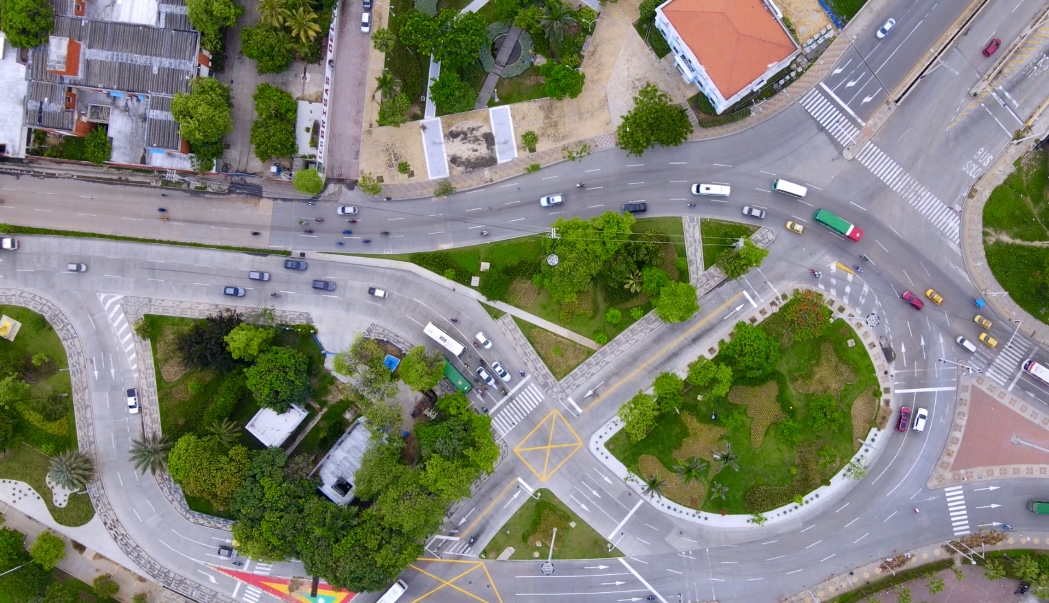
column 728, row 48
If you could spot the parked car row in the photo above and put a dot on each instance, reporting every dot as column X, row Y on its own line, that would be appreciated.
column 903, row 421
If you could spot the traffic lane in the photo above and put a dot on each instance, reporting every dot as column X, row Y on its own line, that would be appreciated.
column 1011, row 498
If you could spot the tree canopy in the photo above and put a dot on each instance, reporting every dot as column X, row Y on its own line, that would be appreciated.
column 364, row 363
column 668, row 388
column 677, row 302
column 308, row 181
column 751, row 351
column 204, row 469
column 211, row 18
column 247, row 341
column 583, row 248
column 203, row 344
column 270, row 48
column 279, row 378
column 451, row 94
column 26, row 23
column 639, row 416
column 562, row 81
column 421, row 370
column 807, row 315
column 461, row 36
column 273, row 131
column 654, row 120
column 47, row 550
column 738, row 261
column 715, row 378
column 203, row 114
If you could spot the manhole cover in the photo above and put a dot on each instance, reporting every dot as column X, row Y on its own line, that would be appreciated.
column 873, row 320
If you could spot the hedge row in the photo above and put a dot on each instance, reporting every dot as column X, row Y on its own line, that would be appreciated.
column 901, row 577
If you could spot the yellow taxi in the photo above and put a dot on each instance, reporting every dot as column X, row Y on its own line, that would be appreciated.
column 795, row 227
column 983, row 322
column 934, row 296
column 989, row 341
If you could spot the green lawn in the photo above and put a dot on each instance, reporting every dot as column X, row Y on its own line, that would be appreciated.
column 846, row 9
column 777, row 462
column 27, row 464
column 525, row 87
column 655, row 40
column 1018, row 210
column 560, row 355
column 530, row 530
column 719, row 236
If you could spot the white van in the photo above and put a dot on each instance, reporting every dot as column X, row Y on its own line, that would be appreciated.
column 965, row 343
column 712, row 190
column 394, row 593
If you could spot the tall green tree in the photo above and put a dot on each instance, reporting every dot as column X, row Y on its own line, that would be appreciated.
column 677, row 302
column 387, row 85
column 26, row 23
column 247, row 341
column 97, row 146
column 461, row 36
column 561, row 81
column 308, row 181
column 62, row 591
column 371, row 555
column 279, row 378
column 639, row 416
column 364, row 362
column 451, row 94
column 224, row 432
column 270, row 48
column 654, row 120
column 72, row 469
column 394, row 112
column 273, row 131
column 273, row 12
column 421, row 370
column 304, row 24
column 47, row 550
column 383, row 39
column 750, row 352
column 715, row 378
column 203, row 469
column 211, row 18
column 558, row 19
column 668, row 388
column 203, row 114
column 151, row 452
column 419, row 31
column 583, row 249
column 203, row 345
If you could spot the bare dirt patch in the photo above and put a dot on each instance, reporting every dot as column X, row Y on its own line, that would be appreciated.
column 560, row 355
column 864, row 408
column 830, row 375
column 806, row 16
column 762, row 407
column 171, row 367
column 470, row 146
column 522, row 293
column 701, row 440
column 691, row 494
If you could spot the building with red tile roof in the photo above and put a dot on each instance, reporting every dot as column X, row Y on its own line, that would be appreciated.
column 728, row 48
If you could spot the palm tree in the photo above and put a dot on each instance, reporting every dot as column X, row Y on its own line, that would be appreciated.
column 556, row 22
column 273, row 12
column 151, row 452
column 718, row 491
column 653, row 486
column 387, row 85
column 726, row 458
column 383, row 39
column 994, row 570
column 690, row 469
column 634, row 282
column 72, row 470
column 225, row 432
column 303, row 24
column 1028, row 568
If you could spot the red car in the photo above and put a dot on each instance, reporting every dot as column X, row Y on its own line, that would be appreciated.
column 993, row 46
column 913, row 300
column 905, row 419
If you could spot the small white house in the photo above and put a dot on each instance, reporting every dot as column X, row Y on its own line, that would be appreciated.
column 727, row 48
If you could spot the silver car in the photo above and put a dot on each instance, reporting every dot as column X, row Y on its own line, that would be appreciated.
column 551, row 200
column 886, row 28
column 255, row 275
column 753, row 212
column 483, row 374
column 501, row 372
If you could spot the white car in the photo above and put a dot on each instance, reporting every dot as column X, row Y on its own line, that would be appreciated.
column 712, row 190
column 551, row 200
column 257, row 275
column 366, row 22
column 76, row 267
column 920, row 418
column 132, row 401
column 484, row 341
column 347, row 210
column 753, row 212
column 885, row 29
column 483, row 374
column 500, row 372
column 378, row 292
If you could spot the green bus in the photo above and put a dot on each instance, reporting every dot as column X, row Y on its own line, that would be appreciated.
column 838, row 225
column 458, row 380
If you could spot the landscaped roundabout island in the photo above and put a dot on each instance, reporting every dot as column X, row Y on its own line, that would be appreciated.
column 773, row 414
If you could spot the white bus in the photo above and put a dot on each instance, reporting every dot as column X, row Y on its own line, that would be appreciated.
column 1037, row 371
column 444, row 339
column 394, row 593
column 794, row 190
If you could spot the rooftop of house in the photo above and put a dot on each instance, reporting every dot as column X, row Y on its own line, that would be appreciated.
column 338, row 467
column 735, row 40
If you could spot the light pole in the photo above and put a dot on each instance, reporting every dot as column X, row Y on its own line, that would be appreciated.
column 959, row 364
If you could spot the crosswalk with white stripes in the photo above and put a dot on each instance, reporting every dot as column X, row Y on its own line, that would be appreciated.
column 956, row 509
column 125, row 334
column 844, row 129
column 1007, row 362
column 517, row 409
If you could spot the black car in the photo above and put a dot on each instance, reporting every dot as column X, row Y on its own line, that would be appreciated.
column 324, row 285
column 295, row 264
column 635, row 208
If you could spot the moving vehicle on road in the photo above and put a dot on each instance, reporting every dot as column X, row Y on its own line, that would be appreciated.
column 9, row 243
column 255, row 275
column 444, row 340
column 366, row 22
column 501, row 372
column 839, row 225
column 484, row 341
column 551, row 200
column 295, row 264
column 347, row 210
column 456, row 378
column 324, row 285
column 934, row 296
column 797, row 191
column 712, row 190
column 227, row 551
column 753, row 212
column 983, row 322
column 1038, row 371
column 795, row 227
column 132, row 401
column 636, row 207
column 234, row 291
column 988, row 341
column 485, row 376
column 913, row 300
column 1038, row 506
column 904, row 419
column 76, row 267
column 965, row 343
column 992, row 47
column 920, row 418
column 394, row 593
column 378, row 292
column 886, row 28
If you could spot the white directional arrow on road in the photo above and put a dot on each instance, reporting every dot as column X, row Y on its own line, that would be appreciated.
column 616, row 583
column 991, row 488
column 991, row 506
column 581, row 504
column 923, row 346
column 597, row 567
column 903, row 352
column 993, row 524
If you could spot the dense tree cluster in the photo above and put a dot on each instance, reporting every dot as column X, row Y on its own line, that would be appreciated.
column 26, row 23
column 287, row 29
column 212, row 18
column 273, row 131
column 739, row 260
column 204, row 118
column 654, row 120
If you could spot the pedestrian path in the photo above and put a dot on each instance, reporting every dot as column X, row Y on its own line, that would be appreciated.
column 956, row 509
column 122, row 328
column 845, row 130
column 460, row 548
column 1007, row 362
column 251, row 594
column 517, row 409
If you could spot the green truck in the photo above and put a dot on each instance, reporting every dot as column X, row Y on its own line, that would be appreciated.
column 1038, row 506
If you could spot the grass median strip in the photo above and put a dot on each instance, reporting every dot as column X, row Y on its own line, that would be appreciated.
column 30, row 230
